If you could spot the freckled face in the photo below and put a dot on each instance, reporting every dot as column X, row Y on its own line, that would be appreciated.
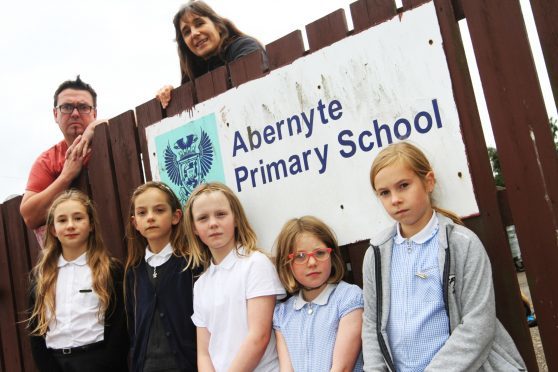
column 200, row 35
column 314, row 273
column 405, row 196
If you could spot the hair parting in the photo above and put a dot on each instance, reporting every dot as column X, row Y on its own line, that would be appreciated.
column 413, row 158
column 244, row 233
column 45, row 273
column 286, row 243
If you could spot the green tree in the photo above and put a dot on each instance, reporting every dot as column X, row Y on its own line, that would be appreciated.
column 554, row 129
column 495, row 160
column 496, row 168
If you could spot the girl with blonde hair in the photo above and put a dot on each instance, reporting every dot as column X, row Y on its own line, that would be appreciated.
column 235, row 296
column 428, row 293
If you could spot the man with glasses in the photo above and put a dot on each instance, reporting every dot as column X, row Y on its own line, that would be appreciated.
column 55, row 169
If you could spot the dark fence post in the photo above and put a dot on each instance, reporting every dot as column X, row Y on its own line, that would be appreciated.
column 126, row 158
column 11, row 353
column 327, row 30
column 527, row 154
column 103, row 184
column 20, row 266
column 545, row 13
column 489, row 225
column 367, row 13
column 146, row 114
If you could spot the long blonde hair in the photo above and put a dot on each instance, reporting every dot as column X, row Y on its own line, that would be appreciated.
column 286, row 242
column 244, row 234
column 137, row 242
column 411, row 156
column 44, row 275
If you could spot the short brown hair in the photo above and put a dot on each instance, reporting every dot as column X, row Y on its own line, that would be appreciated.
column 285, row 244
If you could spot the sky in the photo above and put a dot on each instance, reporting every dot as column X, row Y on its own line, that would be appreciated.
column 125, row 49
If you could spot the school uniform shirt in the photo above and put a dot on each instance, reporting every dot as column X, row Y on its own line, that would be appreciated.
column 112, row 354
column 417, row 309
column 220, row 305
column 77, row 320
column 157, row 259
column 310, row 328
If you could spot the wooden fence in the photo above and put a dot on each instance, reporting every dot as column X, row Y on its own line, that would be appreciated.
column 528, row 158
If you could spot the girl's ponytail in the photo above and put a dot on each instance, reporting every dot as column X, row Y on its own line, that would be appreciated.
column 449, row 214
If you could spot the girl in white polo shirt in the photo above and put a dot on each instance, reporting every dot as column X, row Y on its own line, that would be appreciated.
column 77, row 320
column 234, row 298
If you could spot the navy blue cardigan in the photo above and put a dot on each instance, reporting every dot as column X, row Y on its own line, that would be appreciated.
column 174, row 298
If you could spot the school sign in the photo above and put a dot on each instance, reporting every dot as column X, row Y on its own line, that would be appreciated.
column 301, row 141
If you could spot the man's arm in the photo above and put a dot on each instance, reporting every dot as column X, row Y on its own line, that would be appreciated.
column 82, row 144
column 34, row 205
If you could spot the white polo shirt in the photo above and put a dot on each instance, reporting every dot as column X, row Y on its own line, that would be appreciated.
column 77, row 305
column 220, row 297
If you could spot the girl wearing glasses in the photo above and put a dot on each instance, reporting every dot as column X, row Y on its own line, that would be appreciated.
column 234, row 298
column 319, row 327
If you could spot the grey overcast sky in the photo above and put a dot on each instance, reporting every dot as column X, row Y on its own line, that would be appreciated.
column 125, row 50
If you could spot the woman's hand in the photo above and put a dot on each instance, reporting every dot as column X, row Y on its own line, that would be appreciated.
column 164, row 95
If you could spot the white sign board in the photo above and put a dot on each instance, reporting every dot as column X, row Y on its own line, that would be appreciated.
column 301, row 139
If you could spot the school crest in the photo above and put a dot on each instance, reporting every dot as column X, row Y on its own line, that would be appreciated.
column 188, row 161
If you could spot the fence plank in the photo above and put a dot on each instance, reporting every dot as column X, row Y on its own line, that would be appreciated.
column 367, row 13
column 488, row 226
column 20, row 266
column 103, row 185
column 125, row 153
column 183, row 99
column 527, row 154
column 212, row 84
column 327, row 30
column 545, row 13
column 285, row 50
column 148, row 113
column 8, row 329
column 356, row 252
column 410, row 4
column 246, row 68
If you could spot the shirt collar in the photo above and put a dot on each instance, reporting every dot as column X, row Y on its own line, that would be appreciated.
column 321, row 300
column 80, row 261
column 228, row 262
column 164, row 254
column 423, row 235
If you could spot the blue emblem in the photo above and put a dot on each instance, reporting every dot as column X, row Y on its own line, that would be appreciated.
column 188, row 162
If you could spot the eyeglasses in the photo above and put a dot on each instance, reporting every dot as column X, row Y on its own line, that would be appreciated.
column 320, row 254
column 68, row 108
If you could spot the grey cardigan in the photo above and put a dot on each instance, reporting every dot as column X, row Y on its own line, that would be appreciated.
column 478, row 341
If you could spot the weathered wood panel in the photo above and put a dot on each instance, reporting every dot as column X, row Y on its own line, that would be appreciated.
column 11, row 353
column 527, row 154
column 104, row 192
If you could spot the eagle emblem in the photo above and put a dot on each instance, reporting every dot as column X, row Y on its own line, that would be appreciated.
column 188, row 161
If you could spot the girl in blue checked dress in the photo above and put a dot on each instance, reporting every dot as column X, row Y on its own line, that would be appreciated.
column 429, row 300
column 319, row 327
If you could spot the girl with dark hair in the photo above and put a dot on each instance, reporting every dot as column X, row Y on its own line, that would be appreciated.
column 159, row 282
column 206, row 41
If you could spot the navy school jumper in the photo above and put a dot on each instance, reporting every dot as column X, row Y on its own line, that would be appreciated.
column 174, row 298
